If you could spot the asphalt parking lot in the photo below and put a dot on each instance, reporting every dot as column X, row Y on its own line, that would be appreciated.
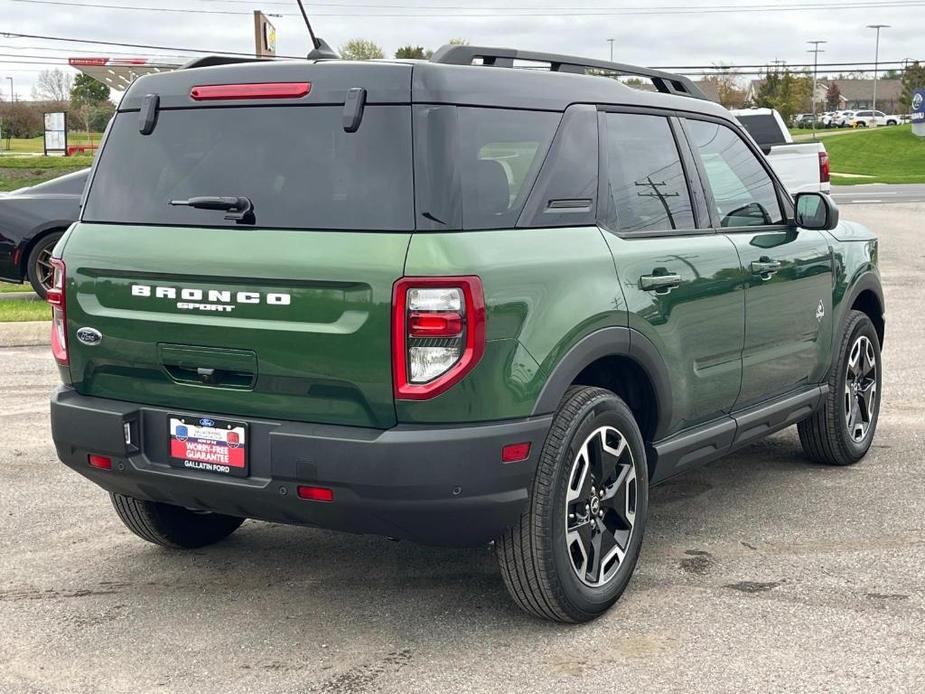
column 760, row 572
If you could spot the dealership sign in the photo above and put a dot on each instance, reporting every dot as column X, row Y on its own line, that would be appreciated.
column 918, row 112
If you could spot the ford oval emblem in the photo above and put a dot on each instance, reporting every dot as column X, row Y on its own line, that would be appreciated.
column 89, row 336
column 206, row 422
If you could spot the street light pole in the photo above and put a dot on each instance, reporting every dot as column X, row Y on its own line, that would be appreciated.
column 878, row 27
column 610, row 41
column 815, row 50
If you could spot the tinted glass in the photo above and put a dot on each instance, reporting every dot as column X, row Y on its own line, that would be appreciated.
column 743, row 192
column 296, row 164
column 646, row 187
column 763, row 128
column 476, row 166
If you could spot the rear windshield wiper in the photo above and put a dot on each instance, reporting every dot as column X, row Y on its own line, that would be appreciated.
column 240, row 209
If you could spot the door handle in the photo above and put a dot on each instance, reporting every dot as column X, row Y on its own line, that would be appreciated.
column 765, row 267
column 659, row 283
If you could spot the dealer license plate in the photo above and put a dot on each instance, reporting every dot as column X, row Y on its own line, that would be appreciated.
column 208, row 445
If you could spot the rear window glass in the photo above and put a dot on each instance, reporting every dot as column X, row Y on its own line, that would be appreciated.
column 763, row 128
column 296, row 165
column 476, row 166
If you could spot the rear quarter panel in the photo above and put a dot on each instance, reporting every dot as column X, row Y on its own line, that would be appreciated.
column 545, row 289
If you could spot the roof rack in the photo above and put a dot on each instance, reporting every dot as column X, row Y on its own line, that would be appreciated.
column 665, row 82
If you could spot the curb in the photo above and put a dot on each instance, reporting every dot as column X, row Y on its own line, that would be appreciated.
column 19, row 296
column 25, row 334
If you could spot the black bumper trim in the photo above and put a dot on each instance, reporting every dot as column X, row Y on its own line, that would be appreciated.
column 434, row 484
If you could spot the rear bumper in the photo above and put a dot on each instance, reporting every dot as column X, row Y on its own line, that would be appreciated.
column 438, row 485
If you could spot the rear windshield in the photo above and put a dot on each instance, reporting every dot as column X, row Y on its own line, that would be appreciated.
column 763, row 128
column 296, row 164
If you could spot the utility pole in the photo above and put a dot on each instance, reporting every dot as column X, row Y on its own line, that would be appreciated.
column 878, row 27
column 12, row 93
column 610, row 41
column 815, row 50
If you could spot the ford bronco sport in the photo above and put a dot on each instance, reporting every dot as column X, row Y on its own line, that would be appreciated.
column 451, row 301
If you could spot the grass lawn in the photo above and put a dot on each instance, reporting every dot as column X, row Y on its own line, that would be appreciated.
column 888, row 154
column 36, row 144
column 18, row 172
column 14, row 311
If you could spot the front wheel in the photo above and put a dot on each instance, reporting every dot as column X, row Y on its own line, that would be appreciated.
column 842, row 429
column 172, row 526
column 572, row 553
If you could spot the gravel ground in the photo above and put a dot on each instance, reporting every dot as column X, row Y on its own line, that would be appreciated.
column 759, row 572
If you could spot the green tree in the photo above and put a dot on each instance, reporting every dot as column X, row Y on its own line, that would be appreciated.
column 411, row 53
column 786, row 91
column 360, row 49
column 832, row 96
column 88, row 91
column 913, row 78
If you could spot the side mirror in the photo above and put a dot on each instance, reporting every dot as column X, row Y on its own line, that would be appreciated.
column 815, row 211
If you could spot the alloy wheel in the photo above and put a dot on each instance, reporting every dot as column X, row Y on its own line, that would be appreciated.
column 44, row 272
column 600, row 506
column 860, row 388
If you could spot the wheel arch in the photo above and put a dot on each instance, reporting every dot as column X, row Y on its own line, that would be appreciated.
column 624, row 361
column 866, row 295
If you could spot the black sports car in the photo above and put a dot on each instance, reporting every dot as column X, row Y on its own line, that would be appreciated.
column 31, row 222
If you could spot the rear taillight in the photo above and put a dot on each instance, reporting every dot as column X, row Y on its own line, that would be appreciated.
column 56, row 297
column 262, row 90
column 438, row 333
column 823, row 167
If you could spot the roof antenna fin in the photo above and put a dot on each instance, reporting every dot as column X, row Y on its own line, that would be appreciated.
column 320, row 49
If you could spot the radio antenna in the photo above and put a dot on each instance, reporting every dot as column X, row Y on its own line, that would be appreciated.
column 308, row 24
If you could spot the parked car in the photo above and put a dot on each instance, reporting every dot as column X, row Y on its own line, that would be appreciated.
column 842, row 118
column 802, row 166
column 31, row 222
column 803, row 120
column 451, row 303
column 866, row 119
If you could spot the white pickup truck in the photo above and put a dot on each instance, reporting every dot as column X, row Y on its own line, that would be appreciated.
column 801, row 166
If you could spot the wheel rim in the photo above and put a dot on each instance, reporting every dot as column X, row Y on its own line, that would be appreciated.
column 860, row 388
column 600, row 506
column 44, row 271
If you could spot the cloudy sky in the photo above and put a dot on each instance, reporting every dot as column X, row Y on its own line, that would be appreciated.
column 660, row 32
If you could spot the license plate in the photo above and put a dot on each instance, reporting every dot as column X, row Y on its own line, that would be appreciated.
column 208, row 445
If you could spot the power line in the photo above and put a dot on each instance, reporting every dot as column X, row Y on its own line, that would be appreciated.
column 459, row 12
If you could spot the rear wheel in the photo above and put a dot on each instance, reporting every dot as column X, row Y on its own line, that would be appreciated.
column 573, row 552
column 173, row 526
column 842, row 430
column 38, row 266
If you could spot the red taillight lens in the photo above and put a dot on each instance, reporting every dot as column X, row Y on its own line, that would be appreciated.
column 56, row 297
column 100, row 462
column 315, row 493
column 266, row 90
column 438, row 333
column 515, row 452
column 824, row 174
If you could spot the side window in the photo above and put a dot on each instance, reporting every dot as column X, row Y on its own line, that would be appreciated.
column 743, row 192
column 646, row 188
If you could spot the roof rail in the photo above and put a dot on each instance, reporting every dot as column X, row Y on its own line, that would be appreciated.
column 665, row 82
column 210, row 60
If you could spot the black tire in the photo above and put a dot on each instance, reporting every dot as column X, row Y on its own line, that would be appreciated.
column 891, row 122
column 825, row 436
column 536, row 560
column 37, row 268
column 173, row 526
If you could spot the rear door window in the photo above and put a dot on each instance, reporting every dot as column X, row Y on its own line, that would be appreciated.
column 646, row 187
column 295, row 163
column 475, row 166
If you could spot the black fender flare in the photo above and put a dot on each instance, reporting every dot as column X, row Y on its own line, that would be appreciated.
column 610, row 342
column 867, row 281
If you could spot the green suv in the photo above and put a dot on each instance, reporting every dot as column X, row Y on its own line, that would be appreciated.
column 451, row 301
